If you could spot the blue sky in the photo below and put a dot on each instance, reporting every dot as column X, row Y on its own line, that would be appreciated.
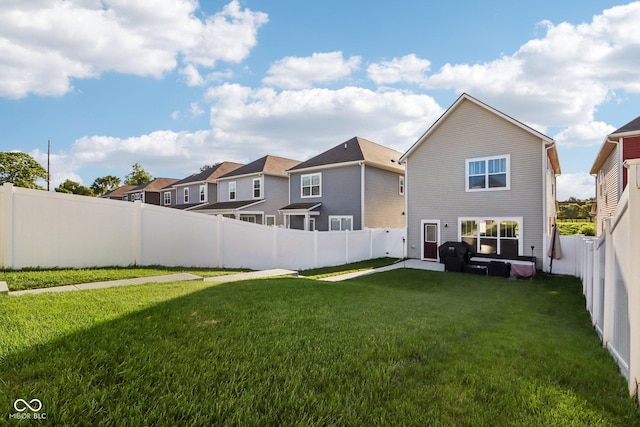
column 176, row 84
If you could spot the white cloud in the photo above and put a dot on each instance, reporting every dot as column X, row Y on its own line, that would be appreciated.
column 175, row 115
column 584, row 135
column 192, row 75
column 195, row 110
column 408, row 68
column 248, row 123
column 46, row 44
column 303, row 72
column 559, row 79
column 580, row 185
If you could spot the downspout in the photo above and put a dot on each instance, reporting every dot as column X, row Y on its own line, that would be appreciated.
column 545, row 214
column 362, row 198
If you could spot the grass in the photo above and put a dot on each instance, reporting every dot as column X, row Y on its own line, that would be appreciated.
column 370, row 264
column 570, row 228
column 39, row 278
column 405, row 347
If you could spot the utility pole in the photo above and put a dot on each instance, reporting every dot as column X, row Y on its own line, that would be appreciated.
column 48, row 164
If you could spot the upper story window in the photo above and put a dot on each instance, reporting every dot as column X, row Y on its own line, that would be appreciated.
column 311, row 185
column 488, row 173
column 232, row 190
column 185, row 193
column 167, row 198
column 257, row 188
column 401, row 185
column 203, row 194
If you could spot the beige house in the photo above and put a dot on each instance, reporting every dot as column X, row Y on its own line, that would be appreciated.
column 480, row 176
column 611, row 175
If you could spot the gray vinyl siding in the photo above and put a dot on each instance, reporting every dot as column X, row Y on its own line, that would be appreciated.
column 607, row 195
column 436, row 177
column 340, row 195
column 383, row 203
column 275, row 192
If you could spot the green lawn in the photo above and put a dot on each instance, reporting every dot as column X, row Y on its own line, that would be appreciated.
column 18, row 280
column 369, row 264
column 405, row 348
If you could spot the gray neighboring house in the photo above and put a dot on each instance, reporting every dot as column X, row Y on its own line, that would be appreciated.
column 253, row 192
column 355, row 185
column 150, row 192
column 197, row 189
column 480, row 176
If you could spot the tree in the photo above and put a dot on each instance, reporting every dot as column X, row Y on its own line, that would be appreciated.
column 21, row 170
column 72, row 187
column 104, row 184
column 137, row 176
column 205, row 167
column 569, row 211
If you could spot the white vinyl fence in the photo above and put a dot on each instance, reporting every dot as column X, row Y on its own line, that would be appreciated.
column 610, row 271
column 46, row 229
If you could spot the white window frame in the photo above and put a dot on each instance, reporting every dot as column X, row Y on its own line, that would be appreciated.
column 310, row 186
column 167, row 198
column 185, row 195
column 401, row 185
column 232, row 190
column 267, row 219
column 202, row 191
column 253, row 188
column 341, row 218
column 486, row 160
column 498, row 220
column 248, row 218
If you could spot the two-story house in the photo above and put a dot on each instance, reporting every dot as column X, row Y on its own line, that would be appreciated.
column 253, row 192
column 150, row 192
column 355, row 185
column 478, row 175
column 611, row 176
column 197, row 189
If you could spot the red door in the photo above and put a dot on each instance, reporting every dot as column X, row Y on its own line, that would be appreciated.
column 430, row 241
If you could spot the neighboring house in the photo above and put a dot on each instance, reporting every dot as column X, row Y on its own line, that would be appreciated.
column 609, row 170
column 480, row 176
column 355, row 185
column 118, row 193
column 197, row 189
column 151, row 192
column 253, row 192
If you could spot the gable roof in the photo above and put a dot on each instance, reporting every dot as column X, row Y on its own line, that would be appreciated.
column 209, row 175
column 553, row 154
column 118, row 192
column 269, row 165
column 156, row 184
column 630, row 129
column 355, row 149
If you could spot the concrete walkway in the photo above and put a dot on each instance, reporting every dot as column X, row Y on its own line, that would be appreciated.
column 410, row 263
column 178, row 277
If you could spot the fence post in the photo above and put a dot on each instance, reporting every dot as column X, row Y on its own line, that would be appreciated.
column 6, row 226
column 633, row 284
column 136, row 233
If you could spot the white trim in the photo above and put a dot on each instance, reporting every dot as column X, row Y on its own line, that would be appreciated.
column 202, row 193
column 498, row 220
column 185, row 195
column 235, row 191
column 422, row 223
column 266, row 219
column 253, row 188
column 164, row 198
column 340, row 217
column 401, row 185
column 486, row 160
column 310, row 175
